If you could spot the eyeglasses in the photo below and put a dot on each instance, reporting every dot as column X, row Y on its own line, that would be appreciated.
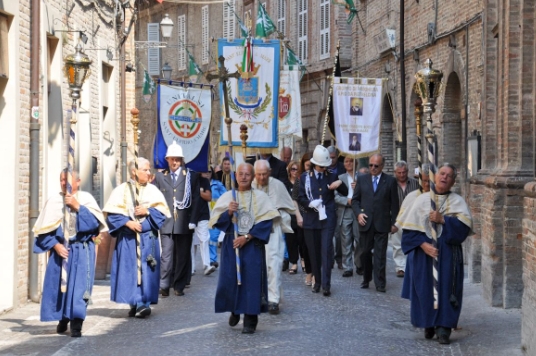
column 294, row 169
column 373, row 165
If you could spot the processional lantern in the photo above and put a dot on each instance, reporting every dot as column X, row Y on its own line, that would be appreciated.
column 77, row 70
column 428, row 86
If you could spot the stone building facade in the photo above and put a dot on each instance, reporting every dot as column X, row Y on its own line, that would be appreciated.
column 61, row 23
column 486, row 52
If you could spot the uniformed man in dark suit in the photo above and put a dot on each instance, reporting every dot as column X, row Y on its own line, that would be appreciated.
column 180, row 187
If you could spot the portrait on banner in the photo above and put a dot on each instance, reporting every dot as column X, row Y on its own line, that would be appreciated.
column 356, row 106
column 355, row 141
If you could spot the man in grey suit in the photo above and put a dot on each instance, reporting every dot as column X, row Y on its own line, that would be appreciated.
column 375, row 203
column 180, row 187
column 347, row 226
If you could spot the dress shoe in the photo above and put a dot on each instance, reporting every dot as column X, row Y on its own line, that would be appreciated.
column 359, row 271
column 215, row 264
column 164, row 292
column 234, row 319
column 208, row 270
column 443, row 335
column 76, row 327
column 187, row 285
column 364, row 285
column 248, row 330
column 273, row 308
column 179, row 293
column 62, row 326
column 429, row 333
column 316, row 289
column 132, row 312
column 327, row 293
column 285, row 265
column 400, row 274
column 380, row 289
column 348, row 274
column 143, row 311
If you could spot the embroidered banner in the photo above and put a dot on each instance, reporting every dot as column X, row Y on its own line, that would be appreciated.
column 253, row 98
column 183, row 116
column 289, row 106
column 357, row 108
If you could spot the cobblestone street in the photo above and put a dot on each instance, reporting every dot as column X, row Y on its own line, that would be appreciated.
column 352, row 321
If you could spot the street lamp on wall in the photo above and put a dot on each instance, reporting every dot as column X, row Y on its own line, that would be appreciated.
column 166, row 26
column 166, row 71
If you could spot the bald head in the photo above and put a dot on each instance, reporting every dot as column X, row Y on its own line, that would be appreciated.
column 286, row 154
column 244, row 176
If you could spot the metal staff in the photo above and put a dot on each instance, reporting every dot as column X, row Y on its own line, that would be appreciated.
column 135, row 122
column 326, row 117
column 223, row 75
column 418, row 117
column 429, row 87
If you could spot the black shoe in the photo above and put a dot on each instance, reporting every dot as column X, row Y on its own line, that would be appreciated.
column 364, row 285
column 285, row 265
column 234, row 319
column 143, row 311
column 273, row 308
column 62, row 326
column 187, row 285
column 316, row 289
column 76, row 327
column 348, row 274
column 359, row 271
column 248, row 330
column 327, row 292
column 132, row 312
column 339, row 265
column 179, row 293
column 380, row 289
column 215, row 264
column 164, row 292
column 429, row 333
column 443, row 335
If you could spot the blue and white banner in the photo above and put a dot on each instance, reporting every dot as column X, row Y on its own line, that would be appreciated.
column 253, row 98
column 357, row 108
column 184, row 117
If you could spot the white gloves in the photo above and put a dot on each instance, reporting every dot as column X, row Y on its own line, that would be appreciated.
column 315, row 203
column 322, row 213
column 191, row 226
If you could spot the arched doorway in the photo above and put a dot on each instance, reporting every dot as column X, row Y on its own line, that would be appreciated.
column 387, row 142
column 451, row 140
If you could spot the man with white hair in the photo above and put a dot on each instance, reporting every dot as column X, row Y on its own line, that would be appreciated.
column 275, row 249
column 180, row 187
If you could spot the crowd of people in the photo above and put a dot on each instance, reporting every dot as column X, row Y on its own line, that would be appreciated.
column 275, row 215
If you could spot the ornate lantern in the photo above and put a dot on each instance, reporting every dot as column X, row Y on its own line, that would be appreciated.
column 428, row 85
column 77, row 70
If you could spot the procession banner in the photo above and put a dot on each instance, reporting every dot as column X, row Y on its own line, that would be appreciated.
column 357, row 108
column 289, row 106
column 253, row 98
column 184, row 117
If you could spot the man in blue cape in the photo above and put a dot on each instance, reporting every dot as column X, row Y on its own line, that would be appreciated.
column 66, row 295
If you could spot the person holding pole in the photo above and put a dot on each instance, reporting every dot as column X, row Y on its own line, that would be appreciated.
column 85, row 223
column 244, row 292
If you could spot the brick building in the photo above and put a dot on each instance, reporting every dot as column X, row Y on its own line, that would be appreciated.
column 485, row 50
column 60, row 25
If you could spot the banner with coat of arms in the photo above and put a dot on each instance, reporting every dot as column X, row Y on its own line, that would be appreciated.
column 184, row 115
column 289, row 106
column 357, row 107
column 253, row 98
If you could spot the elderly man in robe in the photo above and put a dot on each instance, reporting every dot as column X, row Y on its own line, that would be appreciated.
column 275, row 249
column 77, row 257
column 135, row 275
column 255, row 217
column 454, row 222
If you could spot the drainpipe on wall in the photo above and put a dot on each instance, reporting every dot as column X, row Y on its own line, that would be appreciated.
column 403, row 148
column 123, row 115
column 34, row 150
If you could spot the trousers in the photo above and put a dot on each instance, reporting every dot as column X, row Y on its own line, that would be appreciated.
column 275, row 250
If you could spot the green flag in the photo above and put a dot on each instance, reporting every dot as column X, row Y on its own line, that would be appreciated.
column 264, row 26
column 193, row 69
column 293, row 60
column 349, row 6
column 148, row 84
column 243, row 29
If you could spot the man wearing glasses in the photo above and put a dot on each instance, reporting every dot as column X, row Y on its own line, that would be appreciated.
column 375, row 203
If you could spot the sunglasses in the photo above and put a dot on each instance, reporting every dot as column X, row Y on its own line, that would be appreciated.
column 373, row 165
column 294, row 169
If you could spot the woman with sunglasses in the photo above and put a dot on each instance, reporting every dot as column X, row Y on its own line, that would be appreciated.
column 291, row 239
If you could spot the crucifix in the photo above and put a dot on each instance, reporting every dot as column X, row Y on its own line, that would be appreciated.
column 223, row 76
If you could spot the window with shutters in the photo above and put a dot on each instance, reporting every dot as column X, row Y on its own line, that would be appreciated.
column 302, row 30
column 153, row 54
column 281, row 13
column 229, row 19
column 181, row 30
column 204, row 35
column 324, row 29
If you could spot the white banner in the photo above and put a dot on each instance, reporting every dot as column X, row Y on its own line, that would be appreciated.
column 184, row 116
column 253, row 98
column 289, row 108
column 357, row 110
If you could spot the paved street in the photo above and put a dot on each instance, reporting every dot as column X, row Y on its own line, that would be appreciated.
column 350, row 322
